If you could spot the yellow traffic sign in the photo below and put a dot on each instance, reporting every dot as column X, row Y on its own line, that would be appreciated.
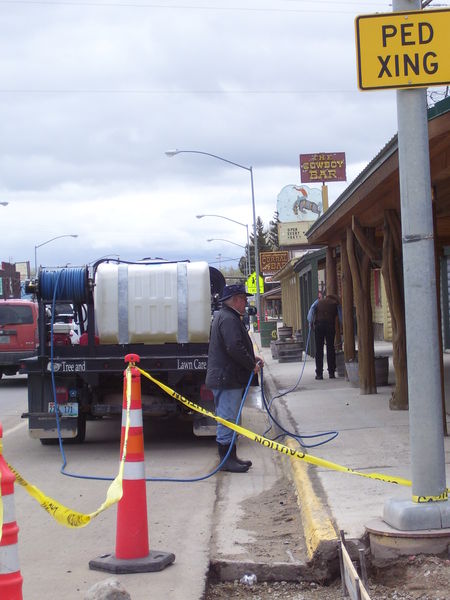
column 403, row 49
column 250, row 284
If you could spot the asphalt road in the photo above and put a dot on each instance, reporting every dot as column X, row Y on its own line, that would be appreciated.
column 54, row 559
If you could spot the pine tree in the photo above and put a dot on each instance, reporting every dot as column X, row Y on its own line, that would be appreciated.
column 273, row 232
column 263, row 244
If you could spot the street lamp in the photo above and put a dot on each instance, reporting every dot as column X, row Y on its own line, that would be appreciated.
column 234, row 244
column 222, row 240
column 238, row 223
column 171, row 153
column 74, row 235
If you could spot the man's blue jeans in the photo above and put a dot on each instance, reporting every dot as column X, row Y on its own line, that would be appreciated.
column 227, row 404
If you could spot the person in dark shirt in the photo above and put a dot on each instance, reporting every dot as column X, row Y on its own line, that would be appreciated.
column 322, row 318
column 231, row 360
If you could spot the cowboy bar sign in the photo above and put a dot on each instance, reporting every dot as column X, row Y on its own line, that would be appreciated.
column 322, row 166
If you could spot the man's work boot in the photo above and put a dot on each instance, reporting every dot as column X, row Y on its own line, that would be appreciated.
column 246, row 463
column 231, row 464
column 332, row 375
column 319, row 376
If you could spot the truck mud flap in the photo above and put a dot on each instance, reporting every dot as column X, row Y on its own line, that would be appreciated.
column 43, row 426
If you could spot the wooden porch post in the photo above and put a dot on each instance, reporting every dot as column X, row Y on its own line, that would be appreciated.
column 331, row 272
column 348, row 327
column 392, row 271
column 360, row 267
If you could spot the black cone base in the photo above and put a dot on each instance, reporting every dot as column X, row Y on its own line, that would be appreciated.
column 155, row 561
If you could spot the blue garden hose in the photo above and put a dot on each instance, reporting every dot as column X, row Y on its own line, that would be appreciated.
column 299, row 438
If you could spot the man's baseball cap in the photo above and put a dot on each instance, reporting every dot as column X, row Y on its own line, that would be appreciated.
column 233, row 290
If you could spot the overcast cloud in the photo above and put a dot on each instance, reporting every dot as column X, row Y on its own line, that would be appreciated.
column 93, row 93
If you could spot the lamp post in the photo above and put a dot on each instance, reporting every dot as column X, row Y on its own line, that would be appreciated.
column 74, row 235
column 171, row 153
column 238, row 223
column 228, row 241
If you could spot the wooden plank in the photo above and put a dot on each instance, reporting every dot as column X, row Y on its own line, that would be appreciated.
column 353, row 584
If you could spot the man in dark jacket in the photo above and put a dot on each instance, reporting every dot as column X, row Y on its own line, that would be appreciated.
column 231, row 360
column 322, row 318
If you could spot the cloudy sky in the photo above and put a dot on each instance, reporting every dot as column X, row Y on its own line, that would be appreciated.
column 92, row 94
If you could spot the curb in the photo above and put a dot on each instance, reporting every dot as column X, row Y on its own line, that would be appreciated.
column 320, row 533
column 319, row 530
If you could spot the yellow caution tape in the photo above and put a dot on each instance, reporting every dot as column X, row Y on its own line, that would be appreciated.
column 425, row 499
column 273, row 445
column 64, row 515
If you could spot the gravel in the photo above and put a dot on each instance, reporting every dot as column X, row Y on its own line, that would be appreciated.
column 412, row 578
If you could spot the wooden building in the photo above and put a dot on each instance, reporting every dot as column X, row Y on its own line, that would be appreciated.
column 362, row 233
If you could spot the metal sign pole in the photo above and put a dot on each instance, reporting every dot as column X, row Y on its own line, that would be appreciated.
column 423, row 352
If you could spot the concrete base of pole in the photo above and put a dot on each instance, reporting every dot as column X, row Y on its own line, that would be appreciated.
column 155, row 561
column 407, row 515
column 387, row 543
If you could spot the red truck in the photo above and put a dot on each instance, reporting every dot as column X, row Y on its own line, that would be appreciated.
column 18, row 334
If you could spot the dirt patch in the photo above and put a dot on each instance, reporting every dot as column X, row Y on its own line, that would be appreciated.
column 413, row 578
column 424, row 577
column 273, row 517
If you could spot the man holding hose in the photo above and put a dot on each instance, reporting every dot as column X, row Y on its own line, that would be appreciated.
column 231, row 360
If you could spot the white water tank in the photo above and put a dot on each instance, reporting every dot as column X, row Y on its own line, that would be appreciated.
column 152, row 303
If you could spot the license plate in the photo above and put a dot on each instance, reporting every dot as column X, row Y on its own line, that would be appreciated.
column 5, row 339
column 68, row 409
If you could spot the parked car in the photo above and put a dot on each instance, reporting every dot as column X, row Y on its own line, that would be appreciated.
column 18, row 333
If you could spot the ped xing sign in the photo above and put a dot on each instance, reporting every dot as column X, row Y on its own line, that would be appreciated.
column 250, row 284
column 403, row 49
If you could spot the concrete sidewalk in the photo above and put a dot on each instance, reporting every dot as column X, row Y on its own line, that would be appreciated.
column 371, row 439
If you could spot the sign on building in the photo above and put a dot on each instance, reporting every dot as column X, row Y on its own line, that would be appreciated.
column 293, row 234
column 272, row 262
column 298, row 207
column 322, row 167
column 403, row 49
column 299, row 203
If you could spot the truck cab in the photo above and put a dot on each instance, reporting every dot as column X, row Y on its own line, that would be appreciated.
column 18, row 334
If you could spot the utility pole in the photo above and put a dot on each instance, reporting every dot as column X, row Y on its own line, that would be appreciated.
column 429, row 508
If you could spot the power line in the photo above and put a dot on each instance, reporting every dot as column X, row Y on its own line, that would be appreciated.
column 173, row 92
column 186, row 6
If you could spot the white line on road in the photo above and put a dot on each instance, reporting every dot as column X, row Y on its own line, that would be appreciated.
column 13, row 429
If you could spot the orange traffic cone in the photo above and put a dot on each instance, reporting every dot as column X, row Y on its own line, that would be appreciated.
column 10, row 577
column 132, row 548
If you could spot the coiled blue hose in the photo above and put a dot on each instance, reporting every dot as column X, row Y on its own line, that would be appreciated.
column 64, row 284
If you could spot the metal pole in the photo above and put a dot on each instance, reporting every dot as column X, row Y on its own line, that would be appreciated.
column 247, row 272
column 422, row 349
column 255, row 243
column 58, row 237
column 249, row 264
column 171, row 153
